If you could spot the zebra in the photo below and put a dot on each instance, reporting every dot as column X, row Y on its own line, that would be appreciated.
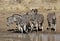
column 30, row 18
column 39, row 18
column 17, row 19
column 25, row 21
column 36, row 20
column 51, row 18
column 27, row 18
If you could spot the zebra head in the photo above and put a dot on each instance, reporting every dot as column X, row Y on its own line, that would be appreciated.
column 10, row 20
column 14, row 18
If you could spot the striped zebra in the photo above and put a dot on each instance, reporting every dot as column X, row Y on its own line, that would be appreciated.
column 39, row 18
column 26, row 20
column 30, row 18
column 36, row 20
column 18, row 19
column 51, row 18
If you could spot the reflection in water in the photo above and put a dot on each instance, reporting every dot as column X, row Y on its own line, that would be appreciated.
column 43, row 37
column 49, row 37
column 35, row 37
column 30, row 37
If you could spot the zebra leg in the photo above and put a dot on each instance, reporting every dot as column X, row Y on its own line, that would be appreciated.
column 49, row 26
column 20, row 29
column 25, row 28
column 40, row 28
column 32, row 26
column 53, row 28
column 36, row 25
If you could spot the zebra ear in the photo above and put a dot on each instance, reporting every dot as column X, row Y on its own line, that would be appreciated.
column 36, row 10
column 54, row 13
column 27, row 13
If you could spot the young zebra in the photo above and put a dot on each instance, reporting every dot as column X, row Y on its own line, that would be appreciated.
column 51, row 18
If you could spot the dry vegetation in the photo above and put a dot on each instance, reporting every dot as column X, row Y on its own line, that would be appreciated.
column 9, row 7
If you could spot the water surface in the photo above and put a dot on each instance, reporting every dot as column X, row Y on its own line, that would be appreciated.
column 29, row 37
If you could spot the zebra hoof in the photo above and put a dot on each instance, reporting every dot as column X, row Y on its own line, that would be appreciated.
column 29, row 30
column 52, row 29
column 24, row 32
column 47, row 28
column 39, row 29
